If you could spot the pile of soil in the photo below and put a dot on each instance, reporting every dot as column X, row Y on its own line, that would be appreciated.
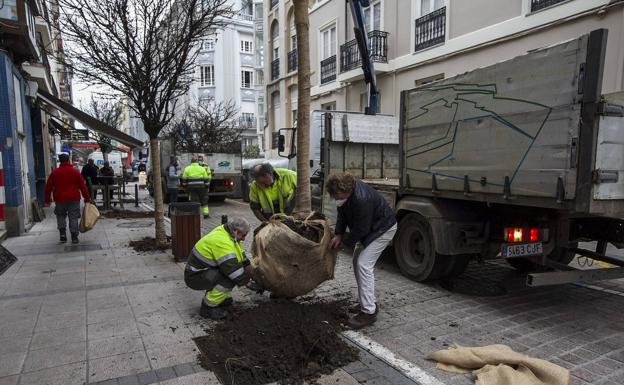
column 302, row 229
column 149, row 244
column 285, row 342
column 124, row 214
column 6, row 259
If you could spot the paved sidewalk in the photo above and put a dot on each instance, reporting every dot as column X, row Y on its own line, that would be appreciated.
column 100, row 313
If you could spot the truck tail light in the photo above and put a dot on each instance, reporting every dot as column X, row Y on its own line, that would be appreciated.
column 524, row 234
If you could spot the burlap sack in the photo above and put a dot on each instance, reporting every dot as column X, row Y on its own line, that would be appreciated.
column 499, row 364
column 288, row 264
column 90, row 215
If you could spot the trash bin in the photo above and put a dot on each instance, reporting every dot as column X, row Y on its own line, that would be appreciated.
column 185, row 228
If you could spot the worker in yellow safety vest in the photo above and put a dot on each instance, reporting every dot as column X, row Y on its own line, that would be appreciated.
column 272, row 191
column 218, row 263
column 197, row 182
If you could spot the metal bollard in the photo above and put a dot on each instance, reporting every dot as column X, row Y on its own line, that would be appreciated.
column 224, row 219
column 136, row 195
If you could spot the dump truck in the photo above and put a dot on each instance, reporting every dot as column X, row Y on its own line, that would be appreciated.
column 520, row 160
column 226, row 170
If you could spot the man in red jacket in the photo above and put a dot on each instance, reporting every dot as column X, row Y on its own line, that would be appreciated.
column 67, row 184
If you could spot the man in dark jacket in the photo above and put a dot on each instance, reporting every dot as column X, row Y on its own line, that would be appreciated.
column 66, row 184
column 372, row 224
column 89, row 173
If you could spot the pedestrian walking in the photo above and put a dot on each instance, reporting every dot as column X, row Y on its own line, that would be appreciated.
column 272, row 191
column 173, row 179
column 217, row 264
column 372, row 225
column 90, row 173
column 65, row 185
column 196, row 181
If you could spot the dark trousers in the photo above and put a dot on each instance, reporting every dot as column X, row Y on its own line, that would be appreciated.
column 69, row 210
column 173, row 197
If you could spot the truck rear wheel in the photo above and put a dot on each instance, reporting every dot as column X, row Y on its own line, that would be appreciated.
column 414, row 247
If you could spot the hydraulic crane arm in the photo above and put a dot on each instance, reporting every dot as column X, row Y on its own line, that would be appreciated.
column 361, row 37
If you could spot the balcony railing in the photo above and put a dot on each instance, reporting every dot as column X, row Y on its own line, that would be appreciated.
column 536, row 5
column 244, row 16
column 431, row 29
column 292, row 60
column 377, row 45
column 328, row 70
column 275, row 73
column 274, row 3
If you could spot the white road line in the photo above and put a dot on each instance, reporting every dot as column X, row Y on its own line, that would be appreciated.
column 409, row 369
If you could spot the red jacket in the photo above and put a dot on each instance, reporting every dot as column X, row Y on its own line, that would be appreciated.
column 67, row 184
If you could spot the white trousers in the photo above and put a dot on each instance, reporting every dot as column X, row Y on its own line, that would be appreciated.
column 364, row 259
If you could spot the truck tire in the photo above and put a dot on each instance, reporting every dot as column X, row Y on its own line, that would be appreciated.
column 456, row 265
column 414, row 248
column 218, row 198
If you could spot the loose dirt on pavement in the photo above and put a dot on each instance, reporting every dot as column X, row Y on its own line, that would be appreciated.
column 125, row 214
column 149, row 244
column 284, row 342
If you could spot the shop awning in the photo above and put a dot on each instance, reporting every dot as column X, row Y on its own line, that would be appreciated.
column 88, row 120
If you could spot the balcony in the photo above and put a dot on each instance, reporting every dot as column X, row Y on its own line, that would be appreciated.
column 244, row 16
column 431, row 29
column 350, row 53
column 292, row 60
column 328, row 70
column 275, row 73
column 17, row 28
column 536, row 5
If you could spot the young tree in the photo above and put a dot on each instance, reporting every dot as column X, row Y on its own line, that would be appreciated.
column 208, row 127
column 143, row 49
column 303, row 200
column 108, row 111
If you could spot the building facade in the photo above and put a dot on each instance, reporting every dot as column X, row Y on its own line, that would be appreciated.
column 414, row 42
column 28, row 133
column 226, row 70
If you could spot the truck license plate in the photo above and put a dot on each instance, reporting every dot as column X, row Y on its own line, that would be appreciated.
column 522, row 250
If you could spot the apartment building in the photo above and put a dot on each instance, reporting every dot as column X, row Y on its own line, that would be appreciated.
column 414, row 42
column 227, row 69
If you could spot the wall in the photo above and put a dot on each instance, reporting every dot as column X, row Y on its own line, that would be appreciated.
column 468, row 16
column 9, row 145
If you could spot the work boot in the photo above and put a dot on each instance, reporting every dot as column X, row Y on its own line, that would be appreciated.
column 362, row 320
column 206, row 216
column 63, row 235
column 74, row 238
column 357, row 308
column 215, row 313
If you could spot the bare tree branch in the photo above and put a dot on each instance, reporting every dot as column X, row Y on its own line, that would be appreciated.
column 209, row 127
column 108, row 111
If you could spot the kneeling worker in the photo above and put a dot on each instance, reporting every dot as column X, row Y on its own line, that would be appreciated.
column 217, row 264
column 272, row 191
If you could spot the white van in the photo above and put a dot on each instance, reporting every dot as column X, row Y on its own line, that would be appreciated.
column 114, row 159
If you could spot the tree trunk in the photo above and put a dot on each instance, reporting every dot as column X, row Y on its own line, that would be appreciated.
column 303, row 200
column 159, row 211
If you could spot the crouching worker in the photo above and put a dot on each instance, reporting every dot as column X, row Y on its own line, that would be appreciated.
column 217, row 264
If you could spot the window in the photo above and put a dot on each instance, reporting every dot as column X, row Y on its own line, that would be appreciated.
column 294, row 118
column 373, row 23
column 206, row 78
column 208, row 45
column 328, row 42
column 428, row 6
column 259, row 78
column 9, row 10
column 246, row 46
column 246, row 79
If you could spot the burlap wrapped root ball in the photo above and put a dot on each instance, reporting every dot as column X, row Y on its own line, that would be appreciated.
column 290, row 264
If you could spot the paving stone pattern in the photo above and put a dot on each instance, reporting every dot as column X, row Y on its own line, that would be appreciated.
column 114, row 316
